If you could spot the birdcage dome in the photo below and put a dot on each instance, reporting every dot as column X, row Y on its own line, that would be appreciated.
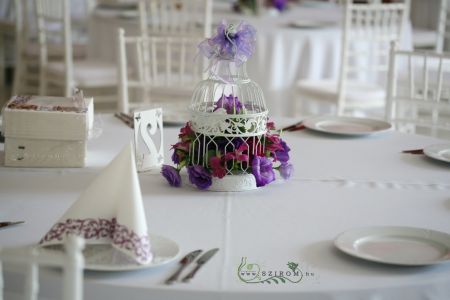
column 228, row 103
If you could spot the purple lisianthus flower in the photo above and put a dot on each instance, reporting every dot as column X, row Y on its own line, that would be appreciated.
column 286, row 170
column 231, row 104
column 279, row 4
column 172, row 175
column 283, row 155
column 199, row 177
column 262, row 170
column 175, row 157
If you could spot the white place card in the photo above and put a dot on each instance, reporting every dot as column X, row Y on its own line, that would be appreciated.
column 148, row 139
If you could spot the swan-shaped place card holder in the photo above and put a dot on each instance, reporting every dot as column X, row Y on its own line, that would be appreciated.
column 148, row 139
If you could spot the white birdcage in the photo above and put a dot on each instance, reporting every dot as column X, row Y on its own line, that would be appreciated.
column 228, row 144
column 229, row 117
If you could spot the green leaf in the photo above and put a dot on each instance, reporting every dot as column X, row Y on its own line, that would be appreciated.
column 211, row 153
column 182, row 164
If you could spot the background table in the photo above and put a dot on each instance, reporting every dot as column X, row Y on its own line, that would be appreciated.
column 284, row 54
column 339, row 184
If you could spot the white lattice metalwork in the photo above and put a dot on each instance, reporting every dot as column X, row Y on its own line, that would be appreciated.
column 229, row 118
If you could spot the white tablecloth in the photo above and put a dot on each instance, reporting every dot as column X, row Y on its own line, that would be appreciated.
column 339, row 184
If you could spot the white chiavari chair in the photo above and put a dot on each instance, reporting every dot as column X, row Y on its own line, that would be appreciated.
column 26, row 68
column 443, row 35
column 175, row 17
column 367, row 30
column 7, row 34
column 26, row 72
column 28, row 260
column 418, row 99
column 425, row 37
column 164, row 72
column 54, row 25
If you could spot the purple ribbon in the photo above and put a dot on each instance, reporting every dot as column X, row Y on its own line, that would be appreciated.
column 235, row 43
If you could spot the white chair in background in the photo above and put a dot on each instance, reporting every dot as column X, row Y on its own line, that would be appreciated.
column 175, row 17
column 164, row 72
column 29, row 259
column 418, row 99
column 426, row 36
column 27, row 52
column 54, row 25
column 6, row 35
column 443, row 35
column 366, row 32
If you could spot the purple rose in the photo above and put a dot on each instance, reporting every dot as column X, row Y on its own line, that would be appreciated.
column 172, row 175
column 283, row 155
column 262, row 170
column 286, row 170
column 231, row 104
column 199, row 177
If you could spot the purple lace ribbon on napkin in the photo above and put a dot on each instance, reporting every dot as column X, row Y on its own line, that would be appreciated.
column 235, row 43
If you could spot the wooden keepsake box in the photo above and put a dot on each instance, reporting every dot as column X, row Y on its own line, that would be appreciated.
column 43, row 131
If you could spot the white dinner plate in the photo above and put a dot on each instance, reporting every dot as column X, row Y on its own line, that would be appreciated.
column 439, row 152
column 310, row 24
column 407, row 246
column 175, row 117
column 346, row 125
column 106, row 258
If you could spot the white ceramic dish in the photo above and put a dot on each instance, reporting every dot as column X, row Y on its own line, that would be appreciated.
column 346, row 125
column 173, row 117
column 164, row 251
column 439, row 152
column 407, row 246
column 106, row 258
column 310, row 24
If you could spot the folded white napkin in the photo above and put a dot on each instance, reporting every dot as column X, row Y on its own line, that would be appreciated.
column 109, row 211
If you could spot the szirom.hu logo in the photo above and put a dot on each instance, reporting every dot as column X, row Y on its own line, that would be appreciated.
column 253, row 273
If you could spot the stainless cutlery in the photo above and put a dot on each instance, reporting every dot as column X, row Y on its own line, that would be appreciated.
column 200, row 262
column 6, row 224
column 294, row 127
column 127, row 119
column 414, row 151
column 184, row 262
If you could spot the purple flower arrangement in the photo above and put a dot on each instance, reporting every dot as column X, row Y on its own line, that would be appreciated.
column 260, row 156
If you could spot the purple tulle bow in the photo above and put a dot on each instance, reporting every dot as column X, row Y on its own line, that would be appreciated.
column 235, row 43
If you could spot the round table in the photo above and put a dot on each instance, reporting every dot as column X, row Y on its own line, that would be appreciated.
column 339, row 183
column 301, row 43
column 284, row 53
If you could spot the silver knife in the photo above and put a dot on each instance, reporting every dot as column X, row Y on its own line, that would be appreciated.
column 5, row 224
column 200, row 262
column 190, row 257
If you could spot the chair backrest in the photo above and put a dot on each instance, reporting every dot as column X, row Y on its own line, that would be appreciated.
column 166, row 64
column 175, row 17
column 443, row 36
column 24, row 21
column 71, row 261
column 54, row 27
column 418, row 99
column 367, row 30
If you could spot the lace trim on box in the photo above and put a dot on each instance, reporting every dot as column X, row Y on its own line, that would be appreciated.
column 22, row 102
